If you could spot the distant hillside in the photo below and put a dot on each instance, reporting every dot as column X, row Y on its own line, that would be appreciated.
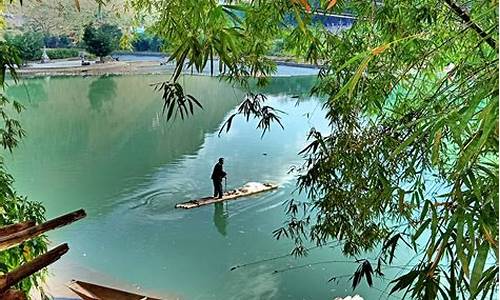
column 62, row 17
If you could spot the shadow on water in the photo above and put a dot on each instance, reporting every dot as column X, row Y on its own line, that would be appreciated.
column 33, row 93
column 220, row 218
column 300, row 85
column 101, row 90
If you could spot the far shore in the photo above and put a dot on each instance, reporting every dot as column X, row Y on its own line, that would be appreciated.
column 127, row 64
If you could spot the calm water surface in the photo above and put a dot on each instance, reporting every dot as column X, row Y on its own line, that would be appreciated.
column 101, row 143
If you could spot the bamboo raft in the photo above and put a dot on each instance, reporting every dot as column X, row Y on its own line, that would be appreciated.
column 248, row 189
column 91, row 291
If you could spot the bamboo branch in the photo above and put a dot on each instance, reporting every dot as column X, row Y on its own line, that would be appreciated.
column 10, row 229
column 14, row 239
column 467, row 20
column 28, row 269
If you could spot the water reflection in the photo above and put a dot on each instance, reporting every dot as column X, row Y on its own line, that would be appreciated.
column 298, row 86
column 101, row 90
column 109, row 153
column 220, row 218
column 32, row 92
column 128, row 168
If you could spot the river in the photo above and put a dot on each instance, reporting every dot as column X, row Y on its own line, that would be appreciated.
column 102, row 144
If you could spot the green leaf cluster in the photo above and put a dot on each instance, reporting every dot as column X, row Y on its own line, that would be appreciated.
column 102, row 40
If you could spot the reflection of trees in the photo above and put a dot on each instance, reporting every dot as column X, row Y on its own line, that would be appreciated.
column 123, row 143
column 101, row 90
column 296, row 85
column 29, row 92
column 220, row 218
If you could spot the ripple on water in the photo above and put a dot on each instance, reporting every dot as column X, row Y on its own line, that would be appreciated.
column 149, row 198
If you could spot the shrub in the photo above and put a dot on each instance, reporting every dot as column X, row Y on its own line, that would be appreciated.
column 59, row 53
column 28, row 44
column 54, row 41
column 102, row 40
column 145, row 42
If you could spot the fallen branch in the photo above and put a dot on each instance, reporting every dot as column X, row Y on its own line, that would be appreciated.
column 10, row 229
column 29, row 268
column 16, row 238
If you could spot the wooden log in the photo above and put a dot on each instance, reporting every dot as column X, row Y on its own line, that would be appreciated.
column 12, row 294
column 16, row 238
column 10, row 229
column 29, row 268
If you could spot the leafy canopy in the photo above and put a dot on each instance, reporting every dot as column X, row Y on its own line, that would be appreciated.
column 103, row 40
column 29, row 44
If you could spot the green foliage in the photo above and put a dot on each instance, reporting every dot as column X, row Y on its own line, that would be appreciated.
column 29, row 44
column 15, row 208
column 199, row 32
column 411, row 161
column 101, row 41
column 56, row 53
column 413, row 105
column 54, row 41
column 145, row 42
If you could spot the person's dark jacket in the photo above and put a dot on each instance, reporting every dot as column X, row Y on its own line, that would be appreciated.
column 218, row 172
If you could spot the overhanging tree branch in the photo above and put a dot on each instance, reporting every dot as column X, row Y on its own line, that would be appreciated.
column 467, row 20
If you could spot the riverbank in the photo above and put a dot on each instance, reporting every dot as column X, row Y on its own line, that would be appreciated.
column 96, row 69
column 139, row 65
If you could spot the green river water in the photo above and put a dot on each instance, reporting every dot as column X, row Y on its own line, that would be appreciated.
column 102, row 144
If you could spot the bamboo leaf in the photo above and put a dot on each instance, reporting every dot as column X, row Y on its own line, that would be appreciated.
column 404, row 281
column 436, row 146
column 421, row 229
column 477, row 270
column 331, row 4
column 459, row 244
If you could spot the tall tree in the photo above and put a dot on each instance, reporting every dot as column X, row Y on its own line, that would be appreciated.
column 29, row 44
column 411, row 160
column 103, row 40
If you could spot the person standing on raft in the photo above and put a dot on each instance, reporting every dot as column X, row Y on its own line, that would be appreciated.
column 217, row 175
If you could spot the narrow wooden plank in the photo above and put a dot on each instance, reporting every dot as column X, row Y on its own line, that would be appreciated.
column 11, row 240
column 29, row 268
column 230, row 195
